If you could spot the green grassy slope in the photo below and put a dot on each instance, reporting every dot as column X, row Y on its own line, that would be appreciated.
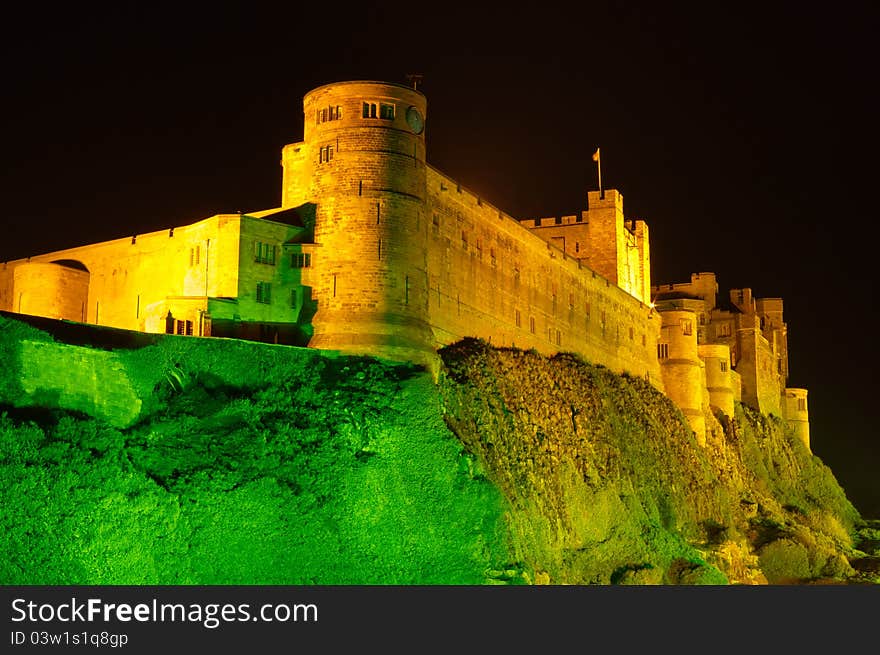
column 260, row 464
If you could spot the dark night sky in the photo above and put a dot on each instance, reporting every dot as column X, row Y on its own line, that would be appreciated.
column 746, row 139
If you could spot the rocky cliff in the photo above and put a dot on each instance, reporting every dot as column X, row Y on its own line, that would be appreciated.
column 176, row 460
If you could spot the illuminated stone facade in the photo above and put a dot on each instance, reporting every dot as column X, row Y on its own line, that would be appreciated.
column 741, row 346
column 373, row 251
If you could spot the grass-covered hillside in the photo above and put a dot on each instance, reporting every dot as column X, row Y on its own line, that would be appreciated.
column 176, row 460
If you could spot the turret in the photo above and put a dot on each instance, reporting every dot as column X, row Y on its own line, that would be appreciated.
column 362, row 163
column 797, row 413
column 680, row 364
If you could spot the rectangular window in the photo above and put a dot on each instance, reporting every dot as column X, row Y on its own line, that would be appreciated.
column 802, row 404
column 300, row 260
column 532, row 324
column 370, row 110
column 264, row 253
column 723, row 367
column 558, row 338
column 325, row 154
column 181, row 327
column 632, row 334
column 662, row 351
column 264, row 293
column 518, row 319
column 687, row 327
column 386, row 111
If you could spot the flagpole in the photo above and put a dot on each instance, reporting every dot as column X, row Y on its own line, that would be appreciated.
column 597, row 158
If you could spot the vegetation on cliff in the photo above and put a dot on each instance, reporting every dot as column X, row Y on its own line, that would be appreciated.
column 607, row 484
column 260, row 464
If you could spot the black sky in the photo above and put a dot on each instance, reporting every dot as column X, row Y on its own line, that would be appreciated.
column 745, row 137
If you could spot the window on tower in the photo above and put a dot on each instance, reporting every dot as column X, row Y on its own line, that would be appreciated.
column 386, row 111
column 369, row 110
column 325, row 154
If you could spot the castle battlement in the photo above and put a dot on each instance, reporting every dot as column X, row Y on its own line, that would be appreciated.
column 373, row 251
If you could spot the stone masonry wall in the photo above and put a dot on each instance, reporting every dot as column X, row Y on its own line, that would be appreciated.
column 490, row 277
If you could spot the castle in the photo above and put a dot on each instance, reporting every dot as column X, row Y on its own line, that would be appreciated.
column 373, row 251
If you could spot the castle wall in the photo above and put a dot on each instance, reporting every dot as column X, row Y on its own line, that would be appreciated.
column 488, row 277
column 134, row 281
column 761, row 381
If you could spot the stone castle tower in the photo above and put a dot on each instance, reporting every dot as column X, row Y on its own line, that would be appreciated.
column 366, row 174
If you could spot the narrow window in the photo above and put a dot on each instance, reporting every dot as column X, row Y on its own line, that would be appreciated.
column 518, row 318
column 558, row 338
column 532, row 324
column 662, row 351
column 264, row 253
column 802, row 404
column 386, row 111
column 577, row 246
column 300, row 260
column 632, row 334
column 264, row 293
column 723, row 366
column 687, row 327
column 189, row 328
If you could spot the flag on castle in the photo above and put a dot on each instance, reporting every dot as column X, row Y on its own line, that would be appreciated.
column 596, row 155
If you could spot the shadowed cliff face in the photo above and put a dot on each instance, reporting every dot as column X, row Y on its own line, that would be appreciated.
column 258, row 464
column 606, row 483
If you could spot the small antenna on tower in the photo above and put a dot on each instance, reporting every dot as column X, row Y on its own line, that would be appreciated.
column 414, row 79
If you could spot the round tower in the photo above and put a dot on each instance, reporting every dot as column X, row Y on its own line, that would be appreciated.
column 681, row 367
column 55, row 290
column 797, row 413
column 363, row 160
column 716, row 357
